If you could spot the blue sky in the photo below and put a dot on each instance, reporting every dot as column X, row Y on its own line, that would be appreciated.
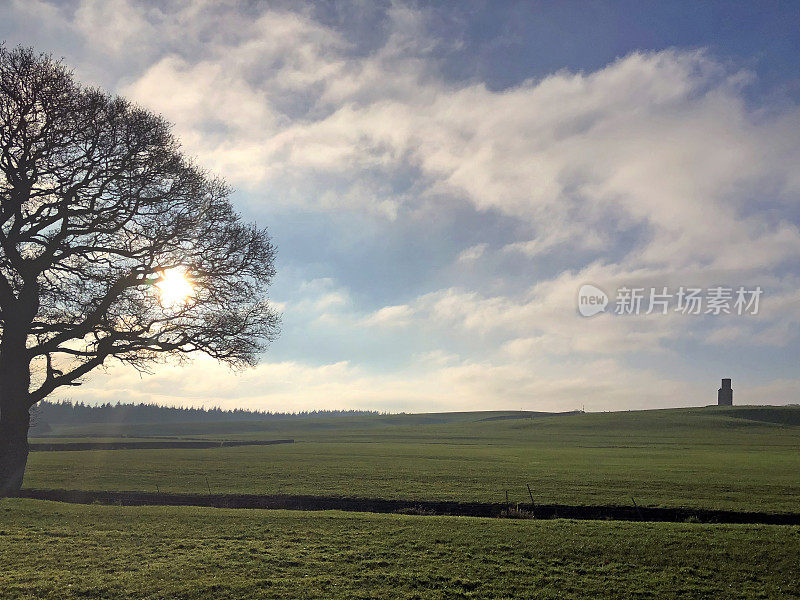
column 440, row 179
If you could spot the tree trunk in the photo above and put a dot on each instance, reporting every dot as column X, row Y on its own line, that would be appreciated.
column 15, row 379
column 14, row 423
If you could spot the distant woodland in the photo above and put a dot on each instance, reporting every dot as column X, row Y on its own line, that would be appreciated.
column 77, row 413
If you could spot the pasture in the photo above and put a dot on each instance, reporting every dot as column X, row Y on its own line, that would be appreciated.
column 738, row 459
column 741, row 458
column 51, row 550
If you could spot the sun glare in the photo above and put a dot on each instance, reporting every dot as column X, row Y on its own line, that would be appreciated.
column 174, row 287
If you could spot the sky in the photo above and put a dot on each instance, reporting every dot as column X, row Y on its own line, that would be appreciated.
column 441, row 179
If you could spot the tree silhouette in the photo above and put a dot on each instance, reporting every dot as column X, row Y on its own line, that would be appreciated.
column 98, row 204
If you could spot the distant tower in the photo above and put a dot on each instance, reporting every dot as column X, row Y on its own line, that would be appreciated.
column 725, row 394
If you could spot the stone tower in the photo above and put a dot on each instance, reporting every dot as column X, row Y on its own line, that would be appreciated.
column 725, row 394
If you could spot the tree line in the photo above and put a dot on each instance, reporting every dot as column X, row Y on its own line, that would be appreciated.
column 78, row 413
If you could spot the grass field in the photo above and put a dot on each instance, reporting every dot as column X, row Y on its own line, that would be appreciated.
column 50, row 550
column 741, row 458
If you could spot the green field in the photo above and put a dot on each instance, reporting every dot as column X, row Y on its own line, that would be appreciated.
column 50, row 550
column 740, row 458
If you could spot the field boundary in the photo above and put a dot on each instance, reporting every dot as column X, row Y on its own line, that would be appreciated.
column 414, row 507
column 159, row 445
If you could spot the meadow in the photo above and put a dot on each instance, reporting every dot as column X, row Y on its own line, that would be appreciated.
column 51, row 550
column 740, row 459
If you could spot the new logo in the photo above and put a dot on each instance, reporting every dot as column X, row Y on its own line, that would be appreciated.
column 591, row 300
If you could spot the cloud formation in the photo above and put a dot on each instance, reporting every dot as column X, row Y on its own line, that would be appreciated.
column 491, row 206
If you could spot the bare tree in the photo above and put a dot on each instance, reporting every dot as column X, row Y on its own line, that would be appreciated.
column 99, row 208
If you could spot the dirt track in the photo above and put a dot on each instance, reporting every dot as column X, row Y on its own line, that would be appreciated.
column 470, row 509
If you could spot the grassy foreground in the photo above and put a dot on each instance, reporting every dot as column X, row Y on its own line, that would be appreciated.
column 739, row 459
column 50, row 550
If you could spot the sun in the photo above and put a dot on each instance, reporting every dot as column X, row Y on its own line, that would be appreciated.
column 174, row 286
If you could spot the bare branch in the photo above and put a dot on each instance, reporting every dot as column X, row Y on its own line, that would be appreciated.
column 96, row 204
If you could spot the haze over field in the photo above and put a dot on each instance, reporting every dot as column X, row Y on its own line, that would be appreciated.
column 438, row 198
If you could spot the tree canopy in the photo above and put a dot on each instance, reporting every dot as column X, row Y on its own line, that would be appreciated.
column 99, row 206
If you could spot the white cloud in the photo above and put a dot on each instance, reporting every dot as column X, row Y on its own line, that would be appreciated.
column 392, row 316
column 660, row 147
column 114, row 25
column 444, row 385
column 662, row 140
column 472, row 253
